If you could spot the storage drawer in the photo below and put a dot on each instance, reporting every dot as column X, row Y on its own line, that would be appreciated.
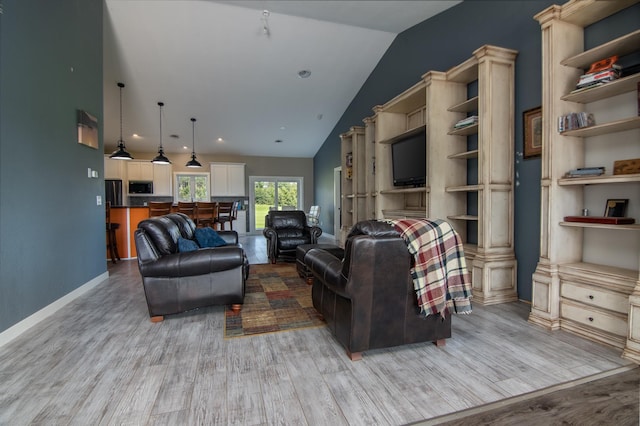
column 585, row 315
column 600, row 298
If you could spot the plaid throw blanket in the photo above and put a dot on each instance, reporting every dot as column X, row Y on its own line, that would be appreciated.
column 440, row 275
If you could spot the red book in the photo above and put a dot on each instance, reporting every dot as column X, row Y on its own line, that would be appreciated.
column 601, row 219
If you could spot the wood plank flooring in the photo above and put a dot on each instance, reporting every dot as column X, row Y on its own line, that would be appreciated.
column 100, row 361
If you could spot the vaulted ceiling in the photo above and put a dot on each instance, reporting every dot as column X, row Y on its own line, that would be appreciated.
column 234, row 66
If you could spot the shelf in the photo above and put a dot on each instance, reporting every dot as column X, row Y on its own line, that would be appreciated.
column 606, row 128
column 598, row 180
column 611, row 273
column 403, row 135
column 465, row 188
column 467, row 106
column 464, row 155
column 621, row 46
column 614, row 88
column 402, row 213
column 424, row 189
column 463, row 217
column 465, row 131
column 632, row 227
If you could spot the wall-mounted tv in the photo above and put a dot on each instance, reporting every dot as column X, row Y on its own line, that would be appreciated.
column 409, row 159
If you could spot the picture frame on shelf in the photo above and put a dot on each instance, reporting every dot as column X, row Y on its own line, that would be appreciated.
column 616, row 207
column 532, row 132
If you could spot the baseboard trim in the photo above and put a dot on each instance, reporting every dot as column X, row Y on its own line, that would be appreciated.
column 17, row 329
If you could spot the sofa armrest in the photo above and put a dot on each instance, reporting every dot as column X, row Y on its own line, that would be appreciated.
column 199, row 262
column 314, row 232
column 328, row 269
column 229, row 237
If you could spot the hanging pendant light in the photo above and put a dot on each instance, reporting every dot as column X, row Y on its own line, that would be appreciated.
column 193, row 162
column 121, row 153
column 160, row 158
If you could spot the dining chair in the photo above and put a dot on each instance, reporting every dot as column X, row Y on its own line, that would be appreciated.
column 159, row 208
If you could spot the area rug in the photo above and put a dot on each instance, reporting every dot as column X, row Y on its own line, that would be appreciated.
column 276, row 299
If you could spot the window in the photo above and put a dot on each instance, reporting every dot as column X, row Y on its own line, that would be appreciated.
column 192, row 187
column 270, row 192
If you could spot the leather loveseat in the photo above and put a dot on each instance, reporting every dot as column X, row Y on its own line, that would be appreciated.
column 368, row 299
column 285, row 230
column 180, row 281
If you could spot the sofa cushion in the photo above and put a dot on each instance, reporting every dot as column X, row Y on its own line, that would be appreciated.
column 207, row 237
column 185, row 245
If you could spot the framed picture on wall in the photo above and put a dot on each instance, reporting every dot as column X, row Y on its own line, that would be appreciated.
column 532, row 124
column 87, row 129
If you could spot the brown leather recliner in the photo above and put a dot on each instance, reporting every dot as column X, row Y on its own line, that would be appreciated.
column 176, row 282
column 285, row 230
column 368, row 299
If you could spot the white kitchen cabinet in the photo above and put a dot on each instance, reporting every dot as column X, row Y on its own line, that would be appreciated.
column 140, row 170
column 115, row 169
column 162, row 179
column 227, row 179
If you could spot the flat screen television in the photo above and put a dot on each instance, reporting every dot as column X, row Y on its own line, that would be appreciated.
column 409, row 159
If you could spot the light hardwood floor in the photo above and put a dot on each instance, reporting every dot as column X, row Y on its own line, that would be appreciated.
column 99, row 360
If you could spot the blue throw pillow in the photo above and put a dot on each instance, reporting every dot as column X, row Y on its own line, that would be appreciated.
column 185, row 245
column 207, row 237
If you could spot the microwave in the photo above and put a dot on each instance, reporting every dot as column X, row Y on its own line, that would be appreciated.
column 140, row 187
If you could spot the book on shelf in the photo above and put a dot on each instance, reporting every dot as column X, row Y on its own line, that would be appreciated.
column 575, row 120
column 466, row 122
column 585, row 172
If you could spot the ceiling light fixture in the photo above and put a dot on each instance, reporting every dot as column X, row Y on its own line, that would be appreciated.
column 121, row 153
column 193, row 162
column 160, row 158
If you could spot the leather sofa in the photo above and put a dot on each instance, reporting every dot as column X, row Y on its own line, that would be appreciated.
column 176, row 281
column 285, row 230
column 368, row 299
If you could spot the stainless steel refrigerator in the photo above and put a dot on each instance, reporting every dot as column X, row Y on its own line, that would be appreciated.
column 113, row 191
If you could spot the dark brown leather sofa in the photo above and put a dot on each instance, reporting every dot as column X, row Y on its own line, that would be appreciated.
column 368, row 300
column 285, row 230
column 176, row 282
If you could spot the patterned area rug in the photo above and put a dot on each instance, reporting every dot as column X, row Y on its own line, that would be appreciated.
column 276, row 299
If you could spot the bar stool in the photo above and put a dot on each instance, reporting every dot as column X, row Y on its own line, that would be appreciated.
column 112, row 227
column 159, row 208
column 225, row 213
column 206, row 213
column 187, row 208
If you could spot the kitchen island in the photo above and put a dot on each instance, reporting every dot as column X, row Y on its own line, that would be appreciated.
column 129, row 216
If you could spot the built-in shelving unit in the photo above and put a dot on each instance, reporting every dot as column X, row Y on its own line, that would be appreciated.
column 402, row 116
column 353, row 183
column 433, row 106
column 587, row 279
column 481, row 205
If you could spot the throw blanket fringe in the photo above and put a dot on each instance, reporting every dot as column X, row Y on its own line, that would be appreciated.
column 440, row 276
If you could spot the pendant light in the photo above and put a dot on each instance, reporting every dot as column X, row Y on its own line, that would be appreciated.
column 193, row 162
column 160, row 158
column 121, row 153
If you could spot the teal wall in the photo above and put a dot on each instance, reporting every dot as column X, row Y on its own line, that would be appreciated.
column 52, row 235
column 440, row 43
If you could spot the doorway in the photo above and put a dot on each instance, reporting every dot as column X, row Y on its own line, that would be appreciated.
column 273, row 193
